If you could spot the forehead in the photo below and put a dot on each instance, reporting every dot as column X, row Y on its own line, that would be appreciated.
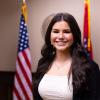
column 61, row 24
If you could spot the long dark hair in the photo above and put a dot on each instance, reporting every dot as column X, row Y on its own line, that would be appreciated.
column 79, row 66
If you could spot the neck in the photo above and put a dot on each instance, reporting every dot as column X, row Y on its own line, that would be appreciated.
column 62, row 56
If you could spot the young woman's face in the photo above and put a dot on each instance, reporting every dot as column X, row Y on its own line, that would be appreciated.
column 61, row 36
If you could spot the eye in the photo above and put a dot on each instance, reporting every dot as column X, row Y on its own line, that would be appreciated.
column 67, row 31
column 55, row 31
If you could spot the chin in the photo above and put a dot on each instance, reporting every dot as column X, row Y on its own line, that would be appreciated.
column 62, row 48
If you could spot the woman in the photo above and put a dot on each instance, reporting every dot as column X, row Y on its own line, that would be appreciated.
column 65, row 71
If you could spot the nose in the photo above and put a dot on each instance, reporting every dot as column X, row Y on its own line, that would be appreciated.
column 61, row 35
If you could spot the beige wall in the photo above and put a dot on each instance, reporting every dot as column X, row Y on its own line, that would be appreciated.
column 38, row 10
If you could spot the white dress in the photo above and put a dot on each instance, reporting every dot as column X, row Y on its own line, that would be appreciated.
column 54, row 87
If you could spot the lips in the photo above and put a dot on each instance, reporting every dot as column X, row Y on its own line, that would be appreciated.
column 61, row 43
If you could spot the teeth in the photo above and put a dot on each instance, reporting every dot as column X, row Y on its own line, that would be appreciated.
column 61, row 41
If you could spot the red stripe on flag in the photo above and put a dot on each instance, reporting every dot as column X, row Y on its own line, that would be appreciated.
column 86, row 30
column 24, row 73
column 27, row 60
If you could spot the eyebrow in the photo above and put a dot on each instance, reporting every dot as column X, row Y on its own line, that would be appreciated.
column 64, row 29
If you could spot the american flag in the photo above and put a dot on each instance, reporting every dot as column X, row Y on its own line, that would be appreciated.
column 23, row 76
column 86, row 34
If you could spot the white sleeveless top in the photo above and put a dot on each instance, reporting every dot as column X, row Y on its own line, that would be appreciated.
column 53, row 87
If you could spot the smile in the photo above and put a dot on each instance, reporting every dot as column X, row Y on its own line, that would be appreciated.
column 61, row 43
